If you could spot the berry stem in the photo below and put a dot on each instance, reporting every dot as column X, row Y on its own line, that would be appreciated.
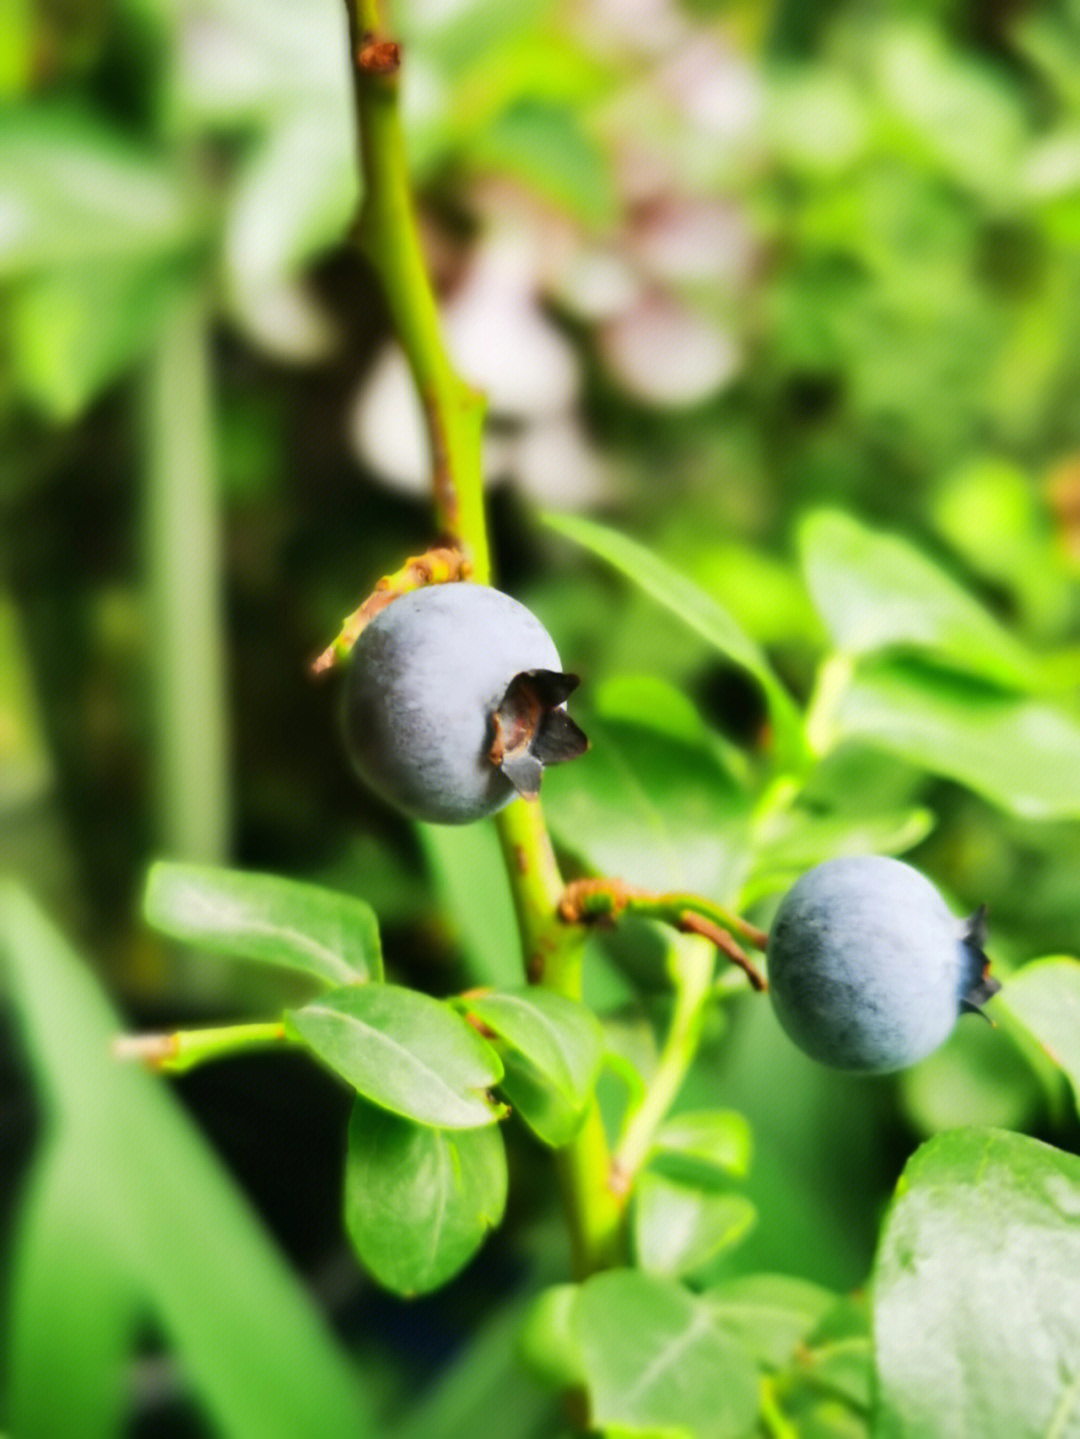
column 689, row 913
column 388, row 235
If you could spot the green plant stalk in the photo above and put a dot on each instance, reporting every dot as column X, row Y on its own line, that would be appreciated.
column 772, row 1416
column 693, row 987
column 183, row 558
column 187, row 1048
column 389, row 237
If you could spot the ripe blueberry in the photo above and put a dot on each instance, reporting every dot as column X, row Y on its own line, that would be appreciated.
column 868, row 968
column 454, row 703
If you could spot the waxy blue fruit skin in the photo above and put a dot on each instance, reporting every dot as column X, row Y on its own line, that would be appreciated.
column 868, row 968
column 425, row 680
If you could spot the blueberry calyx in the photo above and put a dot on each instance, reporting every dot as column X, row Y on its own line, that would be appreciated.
column 531, row 728
column 979, row 983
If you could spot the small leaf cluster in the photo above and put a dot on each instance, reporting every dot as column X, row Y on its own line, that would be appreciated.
column 426, row 1172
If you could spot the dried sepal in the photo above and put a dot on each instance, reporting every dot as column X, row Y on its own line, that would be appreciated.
column 531, row 729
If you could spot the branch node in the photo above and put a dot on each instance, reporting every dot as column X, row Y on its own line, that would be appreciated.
column 378, row 57
column 439, row 566
column 592, row 899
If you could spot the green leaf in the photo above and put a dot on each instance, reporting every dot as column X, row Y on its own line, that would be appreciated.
column 404, row 1051
column 1045, row 998
column 74, row 331
column 699, row 611
column 769, row 1313
column 143, row 1191
column 281, row 922
column 549, row 1114
column 467, row 865
column 74, row 1307
column 560, row 1037
column 715, row 1139
column 978, row 1077
column 419, row 1201
column 656, row 1363
column 977, row 1291
column 838, row 1356
column 653, row 808
column 74, row 188
column 679, row 1228
column 548, row 1343
column 546, row 146
column 1019, row 754
column 876, row 591
column 800, row 838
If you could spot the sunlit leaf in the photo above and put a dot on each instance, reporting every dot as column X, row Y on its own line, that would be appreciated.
column 713, row 1138
column 560, row 1037
column 653, row 809
column 1045, row 998
column 655, row 1361
column 549, row 1345
column 679, row 1228
column 264, row 918
column 877, row 591
column 769, row 1313
column 404, row 1051
column 977, row 1290
column 547, row 147
column 668, row 587
column 1019, row 754
column 74, row 189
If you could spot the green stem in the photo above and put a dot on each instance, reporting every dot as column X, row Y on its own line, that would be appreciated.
column 833, row 681
column 554, row 953
column 183, row 557
column 389, row 237
column 553, row 950
column 694, row 985
column 186, row 1048
column 772, row 1416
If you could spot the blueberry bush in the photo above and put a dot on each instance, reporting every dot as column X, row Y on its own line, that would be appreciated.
column 723, row 355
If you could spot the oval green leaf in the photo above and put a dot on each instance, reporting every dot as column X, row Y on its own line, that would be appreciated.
column 419, row 1201
column 282, row 922
column 877, row 591
column 1044, row 998
column 404, row 1051
column 1019, row 754
column 699, row 611
column 657, row 1363
column 679, row 1228
column 645, row 802
column 712, row 1138
column 559, row 1037
column 769, row 1313
column 977, row 1291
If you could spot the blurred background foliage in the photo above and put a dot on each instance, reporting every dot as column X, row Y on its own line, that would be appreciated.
column 717, row 266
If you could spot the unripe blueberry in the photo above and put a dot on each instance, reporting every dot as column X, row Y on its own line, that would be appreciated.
column 454, row 703
column 868, row 968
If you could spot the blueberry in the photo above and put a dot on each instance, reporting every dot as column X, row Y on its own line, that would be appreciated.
column 454, row 702
column 869, row 969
